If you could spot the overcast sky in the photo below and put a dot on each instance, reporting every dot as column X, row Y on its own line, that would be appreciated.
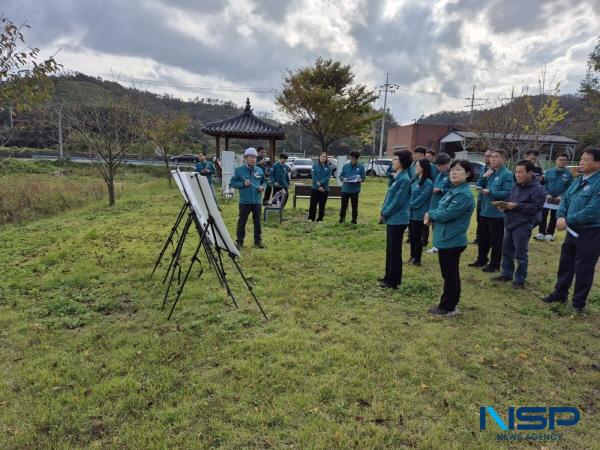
column 194, row 46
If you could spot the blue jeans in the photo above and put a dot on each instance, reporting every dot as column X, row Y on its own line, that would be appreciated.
column 515, row 247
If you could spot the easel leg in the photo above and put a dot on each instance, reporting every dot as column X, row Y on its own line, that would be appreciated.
column 248, row 286
column 170, row 238
column 179, row 245
column 187, row 274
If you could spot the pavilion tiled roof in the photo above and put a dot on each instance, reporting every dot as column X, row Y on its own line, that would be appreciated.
column 244, row 125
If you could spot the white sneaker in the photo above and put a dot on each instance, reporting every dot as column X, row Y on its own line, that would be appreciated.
column 432, row 250
column 540, row 237
column 549, row 237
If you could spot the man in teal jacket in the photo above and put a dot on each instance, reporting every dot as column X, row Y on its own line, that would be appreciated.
column 352, row 175
column 395, row 213
column 250, row 180
column 207, row 169
column 556, row 181
column 495, row 184
column 579, row 214
column 279, row 175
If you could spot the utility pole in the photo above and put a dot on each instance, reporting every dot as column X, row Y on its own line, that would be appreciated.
column 391, row 88
column 472, row 105
column 10, row 116
column 60, row 136
column 299, row 139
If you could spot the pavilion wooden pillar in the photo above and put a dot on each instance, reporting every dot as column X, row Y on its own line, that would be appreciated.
column 218, row 147
column 272, row 151
column 226, row 143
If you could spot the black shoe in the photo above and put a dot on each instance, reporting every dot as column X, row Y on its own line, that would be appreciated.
column 553, row 298
column 579, row 310
column 414, row 262
column 501, row 278
column 240, row 244
column 353, row 222
column 259, row 244
column 477, row 263
column 437, row 311
column 408, row 241
column 490, row 269
column 382, row 284
column 342, row 220
column 518, row 285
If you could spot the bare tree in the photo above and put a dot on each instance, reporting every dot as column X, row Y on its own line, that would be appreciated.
column 109, row 127
column 517, row 123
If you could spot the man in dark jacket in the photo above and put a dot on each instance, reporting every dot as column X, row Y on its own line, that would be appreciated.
column 521, row 208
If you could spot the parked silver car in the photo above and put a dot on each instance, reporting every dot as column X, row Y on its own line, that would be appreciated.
column 378, row 167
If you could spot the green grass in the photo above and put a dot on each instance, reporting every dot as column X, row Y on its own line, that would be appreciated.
column 87, row 358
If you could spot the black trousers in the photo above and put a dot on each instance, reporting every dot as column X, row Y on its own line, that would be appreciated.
column 354, row 200
column 393, row 255
column 425, row 235
column 478, row 212
column 317, row 198
column 267, row 194
column 449, row 259
column 578, row 258
column 548, row 227
column 245, row 210
column 491, row 235
column 416, row 243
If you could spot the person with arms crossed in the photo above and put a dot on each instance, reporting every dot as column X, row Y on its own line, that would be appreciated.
column 395, row 214
column 451, row 219
column 579, row 214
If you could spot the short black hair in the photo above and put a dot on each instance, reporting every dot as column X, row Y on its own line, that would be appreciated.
column 442, row 158
column 260, row 148
column 563, row 154
column 465, row 164
column 404, row 157
column 283, row 156
column 593, row 151
column 500, row 151
column 532, row 152
column 354, row 154
column 202, row 152
column 527, row 164
column 420, row 149
column 431, row 152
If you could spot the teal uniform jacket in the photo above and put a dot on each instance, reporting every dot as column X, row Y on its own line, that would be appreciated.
column 278, row 173
column 557, row 181
column 389, row 173
column 500, row 184
column 442, row 182
column 349, row 171
column 321, row 173
column 434, row 171
column 411, row 171
column 206, row 165
column 452, row 216
column 580, row 205
column 396, row 206
column 420, row 198
column 249, row 194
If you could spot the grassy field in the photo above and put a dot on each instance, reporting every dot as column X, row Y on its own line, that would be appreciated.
column 87, row 358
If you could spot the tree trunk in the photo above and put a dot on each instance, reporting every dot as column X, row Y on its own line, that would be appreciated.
column 111, row 186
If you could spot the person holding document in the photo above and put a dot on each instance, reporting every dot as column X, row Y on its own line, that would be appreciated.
column 579, row 214
column 250, row 180
column 352, row 175
column 521, row 211
column 451, row 219
column 321, row 173
column 556, row 181
column 395, row 214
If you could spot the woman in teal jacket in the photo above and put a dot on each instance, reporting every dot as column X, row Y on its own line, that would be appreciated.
column 395, row 214
column 321, row 173
column 420, row 198
column 451, row 218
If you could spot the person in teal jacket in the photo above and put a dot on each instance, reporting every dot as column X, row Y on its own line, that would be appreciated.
column 451, row 219
column 352, row 175
column 250, row 180
column 321, row 173
column 494, row 184
column 579, row 214
column 441, row 185
column 207, row 169
column 395, row 213
column 556, row 181
column 279, row 176
column 431, row 155
column 420, row 198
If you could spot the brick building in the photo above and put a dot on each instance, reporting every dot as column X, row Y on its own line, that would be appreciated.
column 416, row 134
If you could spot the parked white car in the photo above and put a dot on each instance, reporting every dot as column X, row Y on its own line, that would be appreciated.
column 377, row 167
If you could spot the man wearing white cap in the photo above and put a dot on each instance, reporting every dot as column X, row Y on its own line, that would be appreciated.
column 250, row 180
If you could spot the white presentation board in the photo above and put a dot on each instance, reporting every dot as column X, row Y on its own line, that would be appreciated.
column 227, row 169
column 222, row 239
